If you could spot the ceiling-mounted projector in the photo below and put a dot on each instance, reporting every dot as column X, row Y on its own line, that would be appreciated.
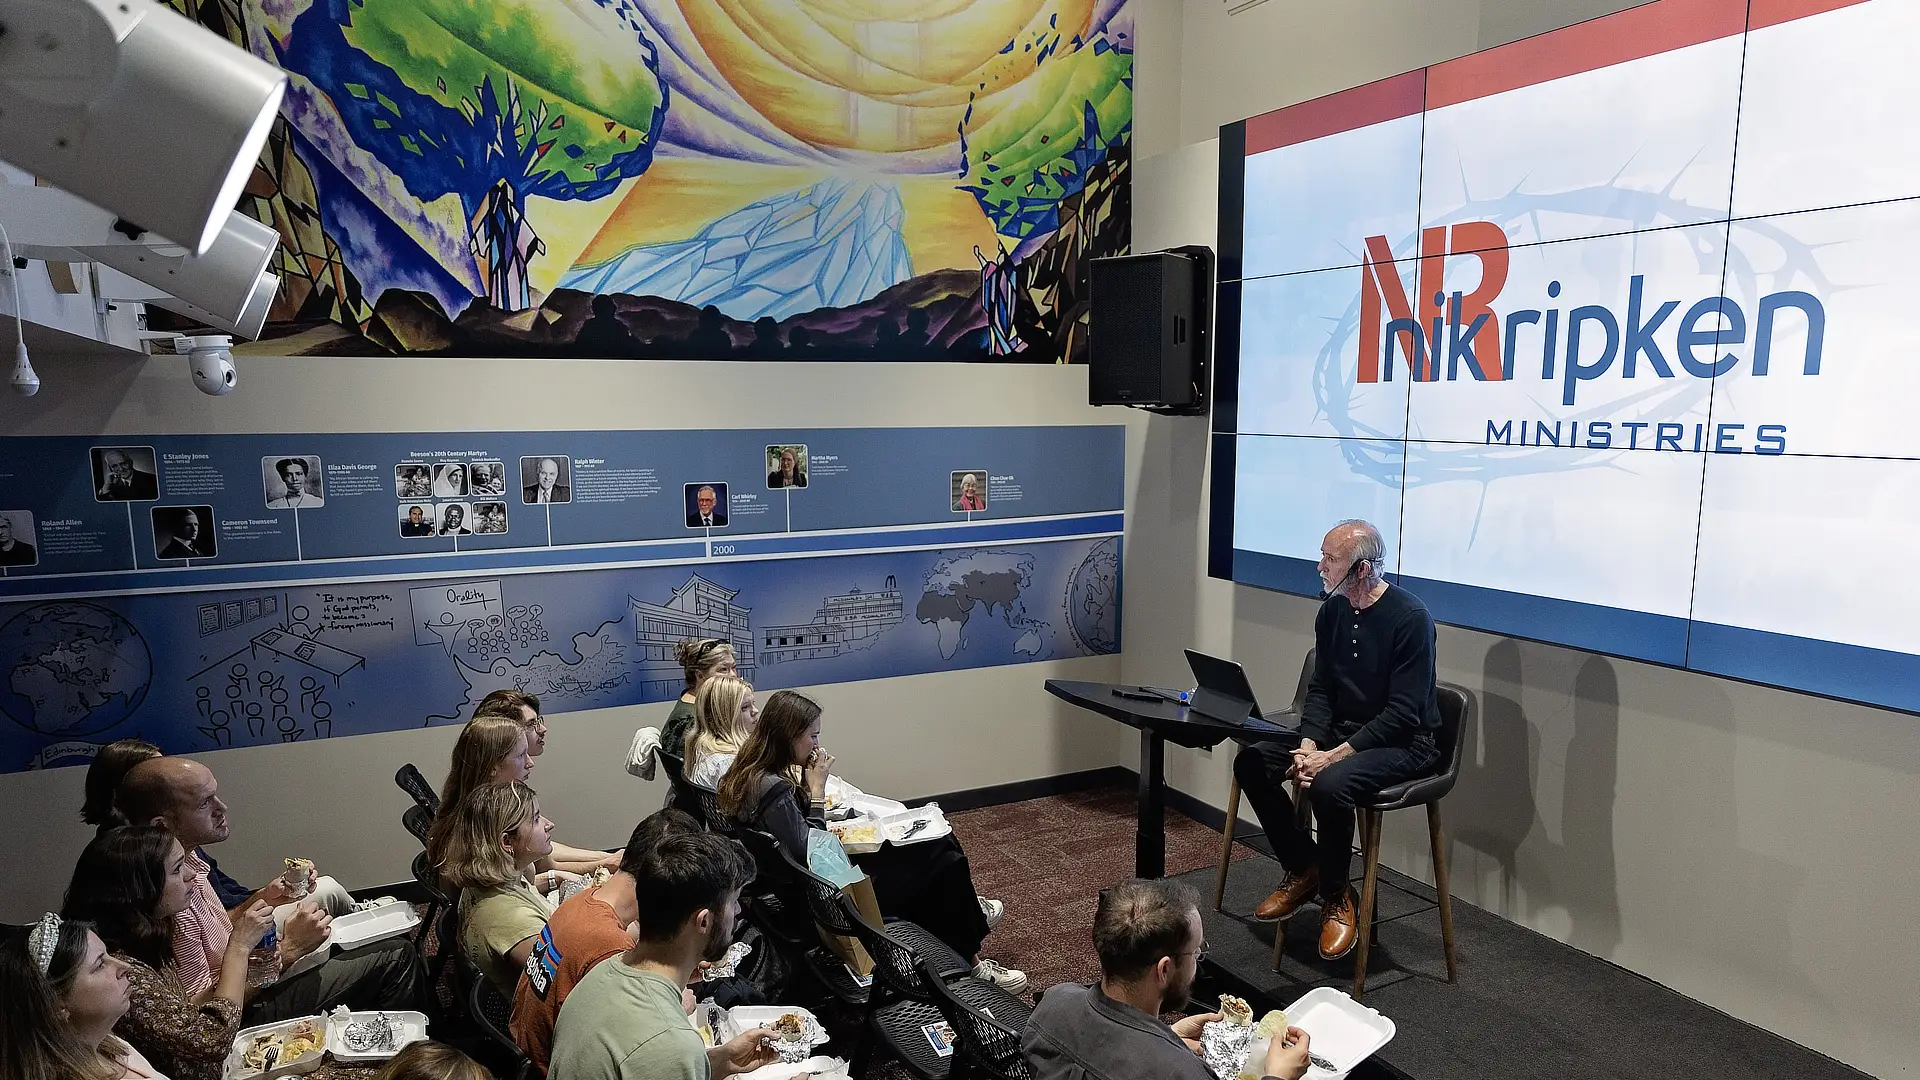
column 134, row 108
column 228, row 286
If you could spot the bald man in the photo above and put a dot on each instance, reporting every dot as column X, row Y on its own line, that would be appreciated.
column 1369, row 722
column 183, row 795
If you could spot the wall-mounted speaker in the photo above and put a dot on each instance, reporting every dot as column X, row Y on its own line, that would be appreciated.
column 1150, row 330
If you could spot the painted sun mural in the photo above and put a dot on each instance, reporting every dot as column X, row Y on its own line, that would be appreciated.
column 695, row 179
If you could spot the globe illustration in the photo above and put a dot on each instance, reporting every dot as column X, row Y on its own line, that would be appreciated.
column 70, row 669
column 1093, row 598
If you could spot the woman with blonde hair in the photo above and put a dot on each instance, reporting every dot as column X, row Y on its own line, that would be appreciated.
column 429, row 1060
column 778, row 783
column 488, row 850
column 723, row 717
column 492, row 749
column 701, row 659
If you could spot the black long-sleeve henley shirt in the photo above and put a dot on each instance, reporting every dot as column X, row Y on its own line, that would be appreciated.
column 1373, row 675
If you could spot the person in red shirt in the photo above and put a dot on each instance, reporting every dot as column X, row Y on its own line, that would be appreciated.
column 592, row 925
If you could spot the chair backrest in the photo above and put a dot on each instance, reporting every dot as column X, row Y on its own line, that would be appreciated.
column 416, row 786
column 1300, row 690
column 774, row 877
column 710, row 812
column 983, row 1043
column 1457, row 707
column 896, row 966
column 492, row 1011
column 424, row 876
column 419, row 822
column 824, row 899
column 680, row 794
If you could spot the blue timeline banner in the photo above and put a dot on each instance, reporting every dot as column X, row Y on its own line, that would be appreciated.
column 307, row 601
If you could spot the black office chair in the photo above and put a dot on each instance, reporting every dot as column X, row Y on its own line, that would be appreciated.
column 900, row 970
column 491, row 1012
column 417, row 789
column 1456, row 717
column 423, row 876
column 834, row 916
column 1233, row 789
column 418, row 821
column 983, row 1043
column 679, row 793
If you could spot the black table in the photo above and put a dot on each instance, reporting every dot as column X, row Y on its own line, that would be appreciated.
column 1160, row 722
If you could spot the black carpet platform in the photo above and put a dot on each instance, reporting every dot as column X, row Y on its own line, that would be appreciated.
column 1524, row 1005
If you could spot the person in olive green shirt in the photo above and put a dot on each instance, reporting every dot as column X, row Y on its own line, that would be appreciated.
column 701, row 659
column 625, row 1020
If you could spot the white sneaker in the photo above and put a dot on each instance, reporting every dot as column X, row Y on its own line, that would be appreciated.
column 994, row 910
column 1011, row 980
column 377, row 902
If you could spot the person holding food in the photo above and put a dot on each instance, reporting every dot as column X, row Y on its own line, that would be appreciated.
column 487, row 851
column 1150, row 941
column 129, row 884
column 929, row 882
column 184, row 796
column 594, row 925
column 627, row 1019
column 495, row 749
column 61, row 993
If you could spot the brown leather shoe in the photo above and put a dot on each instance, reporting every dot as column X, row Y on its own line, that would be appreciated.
column 1294, row 890
column 1338, row 929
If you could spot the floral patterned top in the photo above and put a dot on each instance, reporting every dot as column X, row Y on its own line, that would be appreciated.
column 188, row 1041
column 184, row 1040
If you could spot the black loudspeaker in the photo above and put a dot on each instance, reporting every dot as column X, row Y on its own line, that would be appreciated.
column 1149, row 330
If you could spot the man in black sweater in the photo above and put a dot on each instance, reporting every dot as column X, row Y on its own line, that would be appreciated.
column 1370, row 721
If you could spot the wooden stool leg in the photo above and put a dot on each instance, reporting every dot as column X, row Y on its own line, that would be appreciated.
column 1226, row 846
column 1363, row 918
column 1443, row 892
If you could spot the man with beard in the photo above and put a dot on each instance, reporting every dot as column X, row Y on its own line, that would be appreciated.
column 625, row 1020
column 1150, row 941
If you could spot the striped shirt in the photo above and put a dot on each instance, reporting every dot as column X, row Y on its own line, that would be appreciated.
column 200, row 932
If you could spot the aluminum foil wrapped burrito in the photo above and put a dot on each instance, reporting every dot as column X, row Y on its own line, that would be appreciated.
column 1223, row 1043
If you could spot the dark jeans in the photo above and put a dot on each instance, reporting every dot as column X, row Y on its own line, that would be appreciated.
column 382, row 975
column 929, row 883
column 1334, row 793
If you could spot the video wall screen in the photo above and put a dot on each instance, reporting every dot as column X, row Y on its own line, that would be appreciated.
column 1609, row 330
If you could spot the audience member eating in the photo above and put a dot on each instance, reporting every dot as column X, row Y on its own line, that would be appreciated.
column 1150, row 941
column 61, row 993
column 778, row 783
column 110, row 764
column 494, row 749
column 429, row 1060
column 488, row 850
column 701, row 660
column 626, row 1020
column 183, row 796
column 130, row 883
column 594, row 924
column 723, row 717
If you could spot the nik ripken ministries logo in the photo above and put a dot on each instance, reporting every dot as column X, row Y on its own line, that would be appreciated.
column 1462, row 335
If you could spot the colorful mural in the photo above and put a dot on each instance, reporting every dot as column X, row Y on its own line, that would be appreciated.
column 775, row 179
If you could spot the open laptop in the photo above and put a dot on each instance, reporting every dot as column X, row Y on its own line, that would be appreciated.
column 1223, row 692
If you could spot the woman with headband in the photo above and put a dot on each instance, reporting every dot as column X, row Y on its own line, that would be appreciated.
column 61, row 993
column 701, row 659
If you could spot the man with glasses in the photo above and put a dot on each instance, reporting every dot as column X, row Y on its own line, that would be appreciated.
column 1150, row 941
column 1369, row 722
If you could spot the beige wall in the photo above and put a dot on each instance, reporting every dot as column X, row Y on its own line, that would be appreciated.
column 1751, row 848
column 334, row 801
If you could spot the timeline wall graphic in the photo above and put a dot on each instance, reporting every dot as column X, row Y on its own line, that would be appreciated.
column 215, row 591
